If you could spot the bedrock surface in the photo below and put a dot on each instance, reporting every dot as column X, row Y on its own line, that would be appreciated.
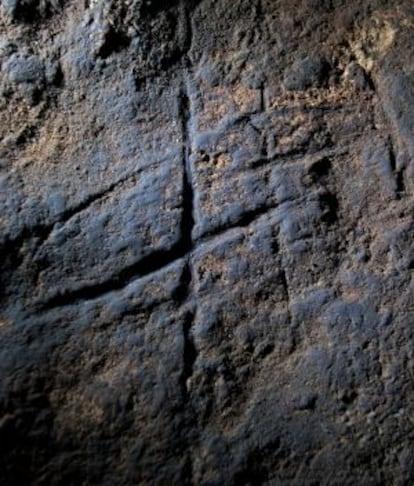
column 206, row 240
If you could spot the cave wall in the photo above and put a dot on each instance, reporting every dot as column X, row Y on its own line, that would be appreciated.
column 206, row 242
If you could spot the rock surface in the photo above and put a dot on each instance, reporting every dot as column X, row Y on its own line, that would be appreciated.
column 206, row 242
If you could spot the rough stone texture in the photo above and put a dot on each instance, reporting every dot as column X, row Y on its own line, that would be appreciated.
column 206, row 215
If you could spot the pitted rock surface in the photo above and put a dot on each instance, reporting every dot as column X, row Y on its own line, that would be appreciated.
column 206, row 242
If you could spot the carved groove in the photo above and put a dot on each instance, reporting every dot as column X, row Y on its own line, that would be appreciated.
column 398, row 173
column 148, row 265
column 43, row 231
column 189, row 352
